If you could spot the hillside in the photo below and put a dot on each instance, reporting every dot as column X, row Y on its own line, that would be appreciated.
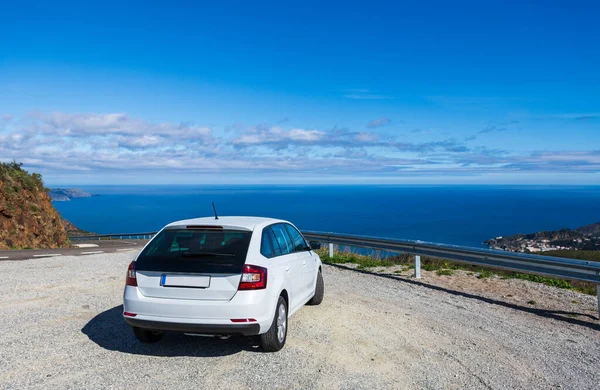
column 27, row 217
column 73, row 230
column 583, row 238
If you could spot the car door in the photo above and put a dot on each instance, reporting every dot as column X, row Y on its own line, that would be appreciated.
column 306, row 260
column 293, row 265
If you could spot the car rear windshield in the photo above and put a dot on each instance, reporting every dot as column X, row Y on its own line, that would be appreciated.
column 195, row 250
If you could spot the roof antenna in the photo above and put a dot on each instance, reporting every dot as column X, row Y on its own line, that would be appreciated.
column 215, row 210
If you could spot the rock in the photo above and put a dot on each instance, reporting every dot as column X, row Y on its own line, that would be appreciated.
column 27, row 217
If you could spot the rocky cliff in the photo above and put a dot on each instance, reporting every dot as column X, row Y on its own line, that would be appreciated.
column 27, row 217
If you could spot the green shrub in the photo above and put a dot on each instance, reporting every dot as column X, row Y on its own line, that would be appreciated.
column 19, row 178
column 540, row 279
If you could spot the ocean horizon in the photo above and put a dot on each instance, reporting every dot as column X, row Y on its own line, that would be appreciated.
column 460, row 215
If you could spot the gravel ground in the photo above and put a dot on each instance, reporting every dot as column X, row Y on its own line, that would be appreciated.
column 61, row 327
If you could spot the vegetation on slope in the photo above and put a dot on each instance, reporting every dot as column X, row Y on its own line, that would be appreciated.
column 27, row 217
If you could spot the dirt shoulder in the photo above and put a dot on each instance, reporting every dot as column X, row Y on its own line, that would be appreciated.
column 522, row 294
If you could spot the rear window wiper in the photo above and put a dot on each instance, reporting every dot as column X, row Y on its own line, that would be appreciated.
column 207, row 254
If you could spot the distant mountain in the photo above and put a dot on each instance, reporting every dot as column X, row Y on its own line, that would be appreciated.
column 66, row 194
column 583, row 238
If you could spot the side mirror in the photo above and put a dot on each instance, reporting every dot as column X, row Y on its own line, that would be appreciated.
column 315, row 245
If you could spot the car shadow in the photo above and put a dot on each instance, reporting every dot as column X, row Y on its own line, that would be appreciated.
column 565, row 316
column 109, row 331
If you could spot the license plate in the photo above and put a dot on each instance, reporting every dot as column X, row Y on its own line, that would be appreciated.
column 191, row 281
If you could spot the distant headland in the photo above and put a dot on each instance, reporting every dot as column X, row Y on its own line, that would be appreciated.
column 67, row 194
column 583, row 238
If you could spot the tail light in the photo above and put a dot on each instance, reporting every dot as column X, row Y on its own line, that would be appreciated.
column 253, row 278
column 131, row 280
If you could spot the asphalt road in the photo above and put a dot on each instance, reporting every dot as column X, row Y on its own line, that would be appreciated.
column 85, row 248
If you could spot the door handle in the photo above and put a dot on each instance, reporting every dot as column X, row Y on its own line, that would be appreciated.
column 287, row 269
column 304, row 262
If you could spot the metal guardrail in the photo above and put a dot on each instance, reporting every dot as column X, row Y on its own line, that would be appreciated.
column 557, row 267
column 582, row 270
column 117, row 236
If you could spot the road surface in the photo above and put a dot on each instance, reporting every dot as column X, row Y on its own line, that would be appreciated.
column 86, row 248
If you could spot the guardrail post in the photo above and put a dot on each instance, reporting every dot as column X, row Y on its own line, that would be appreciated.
column 598, row 295
column 330, row 250
column 417, row 267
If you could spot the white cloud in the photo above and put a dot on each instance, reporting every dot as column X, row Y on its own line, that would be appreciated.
column 379, row 122
column 305, row 135
column 99, row 143
column 143, row 141
column 366, row 137
column 79, row 125
column 277, row 136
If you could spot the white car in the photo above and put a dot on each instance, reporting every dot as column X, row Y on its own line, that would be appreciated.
column 225, row 276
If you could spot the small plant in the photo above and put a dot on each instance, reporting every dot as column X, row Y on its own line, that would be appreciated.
column 448, row 272
column 398, row 271
column 363, row 262
column 484, row 274
column 430, row 267
column 540, row 279
column 532, row 302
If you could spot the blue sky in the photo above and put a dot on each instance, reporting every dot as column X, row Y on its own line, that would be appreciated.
column 485, row 92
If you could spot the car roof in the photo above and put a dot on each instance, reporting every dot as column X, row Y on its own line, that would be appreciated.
column 228, row 222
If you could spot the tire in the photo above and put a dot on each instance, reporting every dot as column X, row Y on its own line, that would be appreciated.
column 275, row 338
column 147, row 336
column 319, row 291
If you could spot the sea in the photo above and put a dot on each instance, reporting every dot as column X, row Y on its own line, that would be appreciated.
column 459, row 215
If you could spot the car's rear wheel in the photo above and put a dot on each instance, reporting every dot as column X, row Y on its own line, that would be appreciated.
column 319, row 291
column 147, row 336
column 274, row 339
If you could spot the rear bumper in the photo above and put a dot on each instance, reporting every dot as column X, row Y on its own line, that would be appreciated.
column 199, row 316
column 216, row 329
